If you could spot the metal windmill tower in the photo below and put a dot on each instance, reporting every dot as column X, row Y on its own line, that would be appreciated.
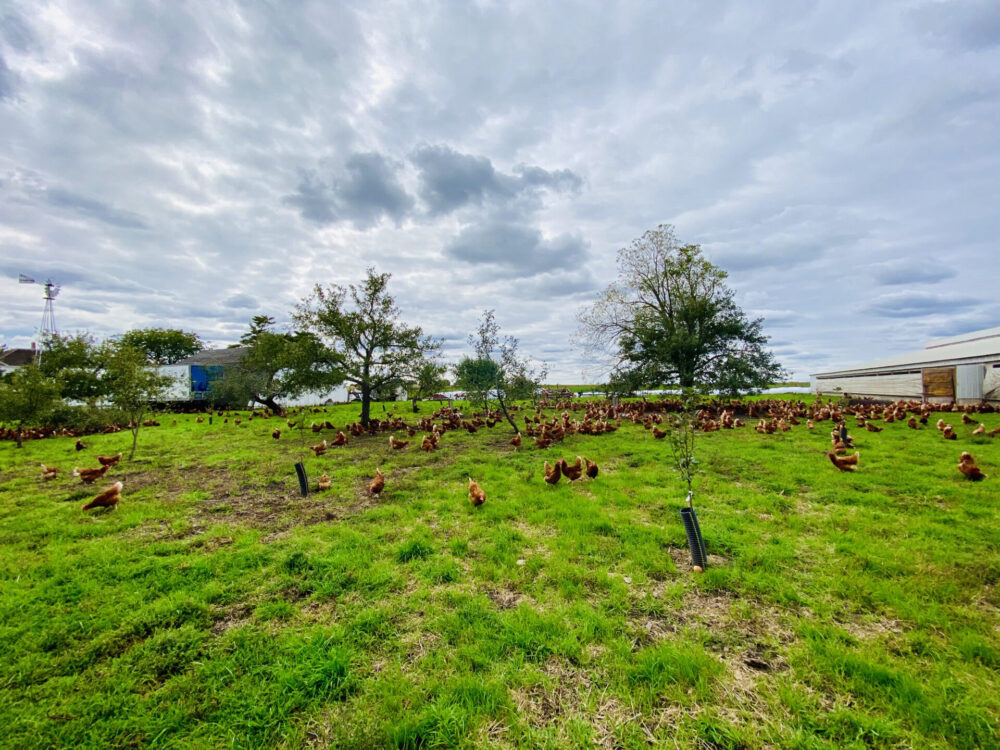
column 48, row 327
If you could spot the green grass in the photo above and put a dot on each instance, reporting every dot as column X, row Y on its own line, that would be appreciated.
column 215, row 607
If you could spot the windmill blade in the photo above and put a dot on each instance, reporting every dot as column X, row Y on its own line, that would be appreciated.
column 22, row 279
column 55, row 290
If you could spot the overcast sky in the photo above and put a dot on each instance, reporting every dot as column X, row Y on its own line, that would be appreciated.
column 194, row 164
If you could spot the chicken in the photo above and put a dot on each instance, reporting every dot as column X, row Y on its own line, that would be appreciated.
column 316, row 427
column 49, row 472
column 659, row 434
column 291, row 424
column 872, row 427
column 940, row 424
column 572, row 471
column 378, row 483
column 199, row 420
column 912, row 423
column 476, row 495
column 966, row 419
column 552, row 473
column 341, row 439
column 276, row 434
column 979, row 430
column 810, row 424
column 967, row 465
column 89, row 476
column 397, row 445
column 543, row 442
column 324, row 482
column 107, row 499
column 948, row 433
column 427, row 444
column 80, row 446
column 516, row 440
column 591, row 469
column 319, row 449
column 109, row 460
column 994, row 432
column 844, row 463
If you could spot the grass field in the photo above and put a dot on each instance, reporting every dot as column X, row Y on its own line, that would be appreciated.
column 215, row 607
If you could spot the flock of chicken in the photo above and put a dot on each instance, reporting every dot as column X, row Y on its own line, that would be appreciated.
column 600, row 418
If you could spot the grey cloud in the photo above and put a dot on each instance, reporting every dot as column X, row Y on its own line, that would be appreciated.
column 16, row 32
column 517, row 250
column 915, row 271
column 94, row 209
column 241, row 302
column 450, row 180
column 960, row 26
column 367, row 190
column 918, row 304
column 6, row 80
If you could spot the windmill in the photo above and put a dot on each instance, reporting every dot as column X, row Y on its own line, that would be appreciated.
column 48, row 327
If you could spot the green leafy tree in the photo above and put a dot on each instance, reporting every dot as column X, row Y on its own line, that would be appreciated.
column 670, row 318
column 277, row 366
column 428, row 379
column 132, row 385
column 361, row 324
column 27, row 398
column 163, row 346
column 75, row 362
column 497, row 373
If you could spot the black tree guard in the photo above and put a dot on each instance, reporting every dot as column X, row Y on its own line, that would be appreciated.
column 695, row 543
column 300, row 470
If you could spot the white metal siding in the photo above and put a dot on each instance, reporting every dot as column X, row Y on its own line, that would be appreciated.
column 969, row 382
column 894, row 385
column 180, row 389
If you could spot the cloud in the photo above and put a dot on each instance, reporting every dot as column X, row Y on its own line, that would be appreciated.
column 912, row 271
column 365, row 191
column 962, row 26
column 918, row 304
column 241, row 302
column 450, row 180
column 515, row 250
column 95, row 209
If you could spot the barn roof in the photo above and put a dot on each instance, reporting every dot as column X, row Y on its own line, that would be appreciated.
column 17, row 357
column 975, row 347
column 215, row 357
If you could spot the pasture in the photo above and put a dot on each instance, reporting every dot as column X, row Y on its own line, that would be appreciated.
column 216, row 607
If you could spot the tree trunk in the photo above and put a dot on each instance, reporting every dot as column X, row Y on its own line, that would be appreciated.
column 19, row 444
column 366, row 404
column 135, row 439
column 271, row 404
column 415, row 408
column 503, row 408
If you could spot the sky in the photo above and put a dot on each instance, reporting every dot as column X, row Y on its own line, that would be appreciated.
column 195, row 164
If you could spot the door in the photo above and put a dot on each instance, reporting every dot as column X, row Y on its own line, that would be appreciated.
column 939, row 382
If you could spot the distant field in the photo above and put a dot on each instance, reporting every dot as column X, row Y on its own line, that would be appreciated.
column 218, row 608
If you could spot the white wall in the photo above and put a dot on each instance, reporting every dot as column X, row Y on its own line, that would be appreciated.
column 886, row 386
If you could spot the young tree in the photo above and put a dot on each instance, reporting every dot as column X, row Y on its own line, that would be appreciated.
column 27, row 397
column 277, row 366
column 132, row 385
column 497, row 360
column 428, row 380
column 477, row 376
column 670, row 318
column 361, row 325
column 163, row 346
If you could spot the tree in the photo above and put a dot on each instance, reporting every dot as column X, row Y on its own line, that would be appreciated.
column 75, row 363
column 428, row 380
column 361, row 324
column 670, row 318
column 163, row 346
column 276, row 366
column 497, row 372
column 27, row 397
column 132, row 385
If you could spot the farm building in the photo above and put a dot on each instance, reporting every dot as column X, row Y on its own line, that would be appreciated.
column 11, row 359
column 194, row 375
column 962, row 368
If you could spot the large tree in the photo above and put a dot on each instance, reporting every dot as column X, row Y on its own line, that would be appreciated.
column 276, row 366
column 377, row 351
column 75, row 362
column 163, row 346
column 497, row 373
column 670, row 318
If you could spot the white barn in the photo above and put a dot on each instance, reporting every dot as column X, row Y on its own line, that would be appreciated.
column 962, row 368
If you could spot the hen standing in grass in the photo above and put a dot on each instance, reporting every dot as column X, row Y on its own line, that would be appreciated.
column 378, row 484
column 476, row 496
column 967, row 465
column 107, row 499
column 844, row 463
column 552, row 473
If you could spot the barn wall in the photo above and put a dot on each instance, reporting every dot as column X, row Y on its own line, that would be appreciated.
column 895, row 385
column 991, row 386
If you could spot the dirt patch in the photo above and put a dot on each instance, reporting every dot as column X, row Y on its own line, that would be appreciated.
column 508, row 597
column 234, row 616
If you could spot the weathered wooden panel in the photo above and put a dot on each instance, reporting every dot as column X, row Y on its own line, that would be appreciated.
column 939, row 382
column 969, row 383
column 891, row 386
